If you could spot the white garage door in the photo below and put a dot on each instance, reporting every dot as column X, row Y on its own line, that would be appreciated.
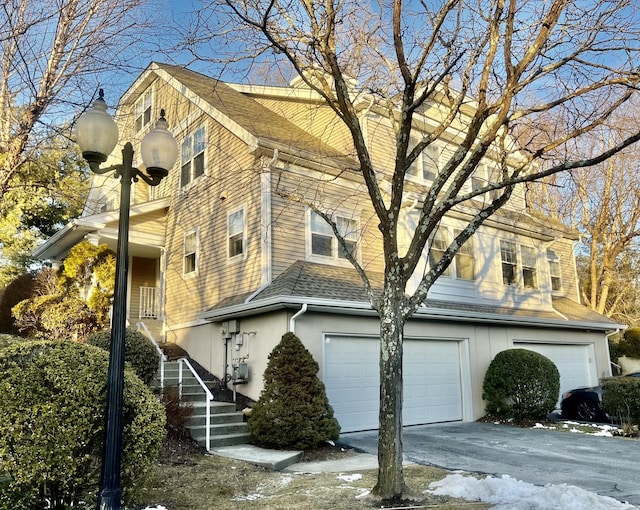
column 575, row 363
column 432, row 387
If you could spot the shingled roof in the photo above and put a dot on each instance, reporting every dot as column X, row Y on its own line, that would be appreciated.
column 255, row 118
column 312, row 282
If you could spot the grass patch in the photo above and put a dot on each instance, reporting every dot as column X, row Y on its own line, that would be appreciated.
column 199, row 482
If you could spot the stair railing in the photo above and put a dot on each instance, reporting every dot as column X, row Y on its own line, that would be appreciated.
column 163, row 357
column 208, row 396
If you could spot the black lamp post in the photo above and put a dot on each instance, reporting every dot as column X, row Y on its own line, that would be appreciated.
column 97, row 136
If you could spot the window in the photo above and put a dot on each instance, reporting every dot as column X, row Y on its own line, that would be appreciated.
column 236, row 234
column 529, row 272
column 509, row 257
column 324, row 243
column 143, row 110
column 483, row 176
column 425, row 166
column 192, row 157
column 554, row 270
column 190, row 253
column 439, row 244
column 465, row 265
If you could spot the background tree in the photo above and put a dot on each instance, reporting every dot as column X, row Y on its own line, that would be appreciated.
column 51, row 53
column 48, row 190
column 603, row 203
column 486, row 69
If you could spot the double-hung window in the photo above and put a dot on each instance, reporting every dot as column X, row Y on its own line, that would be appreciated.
column 509, row 258
column 192, row 165
column 142, row 109
column 190, row 253
column 236, row 234
column 482, row 176
column 425, row 166
column 325, row 244
column 439, row 244
column 554, row 270
column 465, row 264
column 529, row 267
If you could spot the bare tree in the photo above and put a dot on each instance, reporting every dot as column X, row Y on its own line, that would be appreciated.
column 492, row 67
column 51, row 51
column 603, row 203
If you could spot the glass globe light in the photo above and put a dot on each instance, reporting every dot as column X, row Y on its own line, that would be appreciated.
column 159, row 149
column 96, row 132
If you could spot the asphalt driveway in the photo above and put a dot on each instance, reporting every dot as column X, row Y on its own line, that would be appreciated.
column 603, row 465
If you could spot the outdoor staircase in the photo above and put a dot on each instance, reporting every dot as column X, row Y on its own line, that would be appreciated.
column 226, row 425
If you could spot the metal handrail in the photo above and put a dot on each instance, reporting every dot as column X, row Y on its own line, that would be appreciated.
column 208, row 394
column 163, row 356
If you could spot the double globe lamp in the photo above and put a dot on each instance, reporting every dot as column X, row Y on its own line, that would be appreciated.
column 97, row 136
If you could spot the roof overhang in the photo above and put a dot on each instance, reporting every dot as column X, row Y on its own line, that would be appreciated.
column 422, row 314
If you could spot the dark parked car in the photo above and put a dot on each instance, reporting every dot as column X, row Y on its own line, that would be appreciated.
column 585, row 404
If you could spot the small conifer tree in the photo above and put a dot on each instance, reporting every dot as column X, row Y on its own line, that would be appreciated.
column 293, row 410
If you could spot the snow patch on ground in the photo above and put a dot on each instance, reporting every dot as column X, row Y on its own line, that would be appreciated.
column 510, row 494
column 350, row 478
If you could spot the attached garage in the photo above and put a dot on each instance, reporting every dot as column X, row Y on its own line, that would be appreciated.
column 433, row 378
column 575, row 362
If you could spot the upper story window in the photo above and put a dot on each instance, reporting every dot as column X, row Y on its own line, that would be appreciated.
column 236, row 234
column 190, row 253
column 463, row 265
column 482, row 176
column 509, row 258
column 325, row 244
column 425, row 166
column 554, row 270
column 524, row 265
column 192, row 165
column 143, row 110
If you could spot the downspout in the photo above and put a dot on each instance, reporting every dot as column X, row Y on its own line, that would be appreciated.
column 292, row 321
column 611, row 363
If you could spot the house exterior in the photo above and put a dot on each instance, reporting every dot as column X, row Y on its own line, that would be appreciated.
column 226, row 258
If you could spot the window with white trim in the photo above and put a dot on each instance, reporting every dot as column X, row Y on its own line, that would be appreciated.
column 439, row 244
column 482, row 176
column 529, row 267
column 465, row 262
column 325, row 244
column 425, row 166
column 509, row 258
column 554, row 270
column 236, row 234
column 142, row 110
column 190, row 253
column 192, row 161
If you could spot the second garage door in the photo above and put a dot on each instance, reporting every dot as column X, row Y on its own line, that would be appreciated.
column 432, row 381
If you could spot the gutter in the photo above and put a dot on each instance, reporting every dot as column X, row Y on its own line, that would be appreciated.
column 364, row 309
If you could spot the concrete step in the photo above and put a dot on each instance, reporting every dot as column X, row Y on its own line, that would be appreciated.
column 215, row 419
column 219, row 429
column 224, row 440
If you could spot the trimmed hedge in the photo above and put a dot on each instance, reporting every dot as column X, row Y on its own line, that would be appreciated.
column 521, row 385
column 52, row 409
column 7, row 340
column 621, row 398
column 293, row 410
column 138, row 350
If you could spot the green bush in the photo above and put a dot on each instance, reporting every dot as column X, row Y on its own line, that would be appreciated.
column 52, row 408
column 521, row 385
column 7, row 340
column 621, row 398
column 139, row 351
column 629, row 345
column 293, row 410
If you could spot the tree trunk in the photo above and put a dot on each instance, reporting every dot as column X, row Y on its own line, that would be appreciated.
column 390, row 473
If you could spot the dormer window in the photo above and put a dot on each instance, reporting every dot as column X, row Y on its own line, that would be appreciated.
column 143, row 110
column 554, row 270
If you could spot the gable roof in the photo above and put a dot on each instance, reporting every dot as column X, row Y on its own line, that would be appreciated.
column 340, row 290
column 260, row 126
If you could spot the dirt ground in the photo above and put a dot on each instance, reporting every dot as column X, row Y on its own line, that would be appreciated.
column 186, row 478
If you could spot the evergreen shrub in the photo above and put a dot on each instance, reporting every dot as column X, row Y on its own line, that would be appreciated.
column 139, row 351
column 621, row 398
column 293, row 410
column 629, row 345
column 52, row 417
column 7, row 340
column 521, row 385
